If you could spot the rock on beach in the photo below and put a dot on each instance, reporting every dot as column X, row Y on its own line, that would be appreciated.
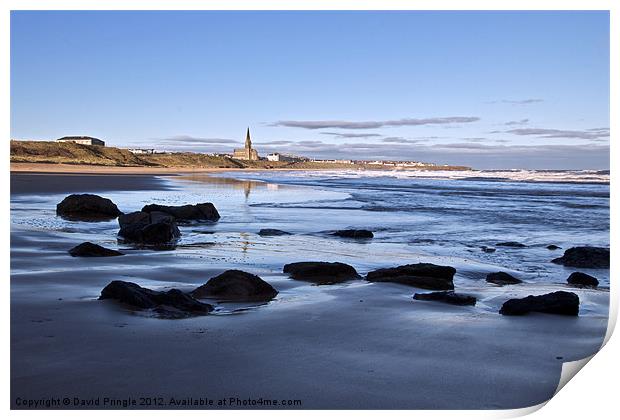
column 320, row 272
column 422, row 275
column 187, row 212
column 89, row 249
column 171, row 304
column 449, row 297
column 87, row 208
column 584, row 257
column 560, row 303
column 148, row 228
column 236, row 285
column 354, row 233
column 501, row 278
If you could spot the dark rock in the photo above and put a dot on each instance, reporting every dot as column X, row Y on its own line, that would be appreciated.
column 188, row 212
column 170, row 304
column 553, row 247
column 487, row 249
column 561, row 303
column 354, row 233
column 272, row 232
column 236, row 285
column 321, row 272
column 160, row 233
column 89, row 249
column 148, row 228
column 423, row 275
column 87, row 207
column 135, row 218
column 502, row 278
column 584, row 257
column 161, row 217
column 511, row 244
column 582, row 280
column 447, row 297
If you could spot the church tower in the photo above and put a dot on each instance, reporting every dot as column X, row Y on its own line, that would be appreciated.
column 248, row 141
column 247, row 153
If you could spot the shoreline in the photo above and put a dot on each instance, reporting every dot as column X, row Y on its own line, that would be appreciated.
column 63, row 168
column 367, row 344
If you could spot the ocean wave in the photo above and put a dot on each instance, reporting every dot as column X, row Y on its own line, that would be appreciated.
column 507, row 175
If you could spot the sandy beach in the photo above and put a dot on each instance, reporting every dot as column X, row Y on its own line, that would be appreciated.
column 20, row 167
column 354, row 345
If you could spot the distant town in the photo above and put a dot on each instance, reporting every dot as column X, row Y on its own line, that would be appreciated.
column 249, row 153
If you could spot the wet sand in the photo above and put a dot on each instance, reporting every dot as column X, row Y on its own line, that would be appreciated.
column 43, row 183
column 356, row 345
column 94, row 169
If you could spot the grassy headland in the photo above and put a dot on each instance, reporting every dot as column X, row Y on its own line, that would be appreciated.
column 49, row 152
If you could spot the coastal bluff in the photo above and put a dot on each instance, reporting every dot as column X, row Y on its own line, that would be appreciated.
column 49, row 152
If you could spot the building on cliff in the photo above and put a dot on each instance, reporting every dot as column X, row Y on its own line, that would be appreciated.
column 91, row 141
column 247, row 153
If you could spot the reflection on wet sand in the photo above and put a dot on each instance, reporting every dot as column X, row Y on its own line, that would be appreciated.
column 230, row 183
column 245, row 243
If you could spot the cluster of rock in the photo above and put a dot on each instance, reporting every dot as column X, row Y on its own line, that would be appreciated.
column 231, row 285
column 239, row 286
column 157, row 224
column 154, row 225
column 170, row 304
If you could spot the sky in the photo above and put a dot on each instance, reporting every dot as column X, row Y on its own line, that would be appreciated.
column 491, row 90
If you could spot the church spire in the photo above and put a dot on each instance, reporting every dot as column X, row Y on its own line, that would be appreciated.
column 248, row 141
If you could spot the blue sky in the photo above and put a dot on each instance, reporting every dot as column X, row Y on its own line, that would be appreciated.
column 485, row 89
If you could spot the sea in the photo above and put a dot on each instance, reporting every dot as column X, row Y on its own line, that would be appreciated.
column 453, row 218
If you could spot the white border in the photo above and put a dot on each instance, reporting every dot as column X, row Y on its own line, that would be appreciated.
column 592, row 394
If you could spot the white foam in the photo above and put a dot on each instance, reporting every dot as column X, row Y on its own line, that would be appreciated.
column 576, row 176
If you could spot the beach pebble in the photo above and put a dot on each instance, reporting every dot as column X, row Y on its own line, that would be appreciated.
column 501, row 278
column 447, row 297
column 170, row 304
column 582, row 280
column 584, row 257
column 423, row 275
column 236, row 285
column 87, row 208
column 561, row 303
column 89, row 249
column 321, row 272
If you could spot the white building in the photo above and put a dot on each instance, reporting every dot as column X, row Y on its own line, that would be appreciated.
column 278, row 157
column 91, row 141
column 142, row 151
